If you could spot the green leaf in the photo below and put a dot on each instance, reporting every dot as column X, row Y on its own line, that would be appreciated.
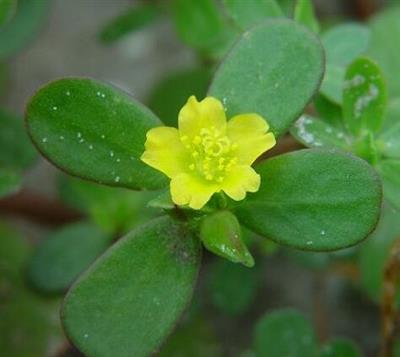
column 389, row 139
column 132, row 20
column 384, row 47
column 169, row 96
column 233, row 287
column 304, row 14
column 390, row 173
column 245, row 14
column 16, row 150
column 250, row 81
column 65, row 254
column 23, row 27
column 93, row 131
column 10, row 182
column 284, row 332
column 200, row 25
column 340, row 347
column 130, row 299
column 364, row 97
column 221, row 234
column 313, row 132
column 115, row 210
column 7, row 10
column 342, row 44
column 314, row 200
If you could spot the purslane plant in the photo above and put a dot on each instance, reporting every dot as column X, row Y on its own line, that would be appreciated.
column 128, row 301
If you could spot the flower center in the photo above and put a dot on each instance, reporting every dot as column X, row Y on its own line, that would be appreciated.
column 211, row 154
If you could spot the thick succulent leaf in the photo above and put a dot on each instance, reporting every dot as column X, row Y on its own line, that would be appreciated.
column 314, row 200
column 7, row 10
column 304, row 13
column 342, row 44
column 200, row 25
column 169, row 96
column 221, row 234
column 375, row 251
column 284, row 332
column 340, row 347
column 390, row 173
column 130, row 299
column 233, row 287
column 364, row 97
column 65, row 254
column 384, row 46
column 93, row 131
column 249, row 81
column 132, row 20
column 389, row 139
column 246, row 14
column 23, row 27
column 313, row 132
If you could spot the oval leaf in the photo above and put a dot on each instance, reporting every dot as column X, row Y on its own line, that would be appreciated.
column 314, row 200
column 274, row 78
column 65, row 254
column 284, row 333
column 364, row 97
column 130, row 299
column 93, row 131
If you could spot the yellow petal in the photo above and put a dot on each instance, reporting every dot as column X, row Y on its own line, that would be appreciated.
column 249, row 132
column 190, row 190
column 164, row 151
column 196, row 115
column 241, row 179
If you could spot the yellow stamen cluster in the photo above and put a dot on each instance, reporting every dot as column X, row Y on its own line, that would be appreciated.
column 212, row 154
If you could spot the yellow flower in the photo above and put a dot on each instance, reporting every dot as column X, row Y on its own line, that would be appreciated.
column 207, row 154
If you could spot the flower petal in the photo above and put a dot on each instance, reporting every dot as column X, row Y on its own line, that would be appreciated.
column 196, row 115
column 249, row 132
column 164, row 151
column 190, row 190
column 241, row 179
